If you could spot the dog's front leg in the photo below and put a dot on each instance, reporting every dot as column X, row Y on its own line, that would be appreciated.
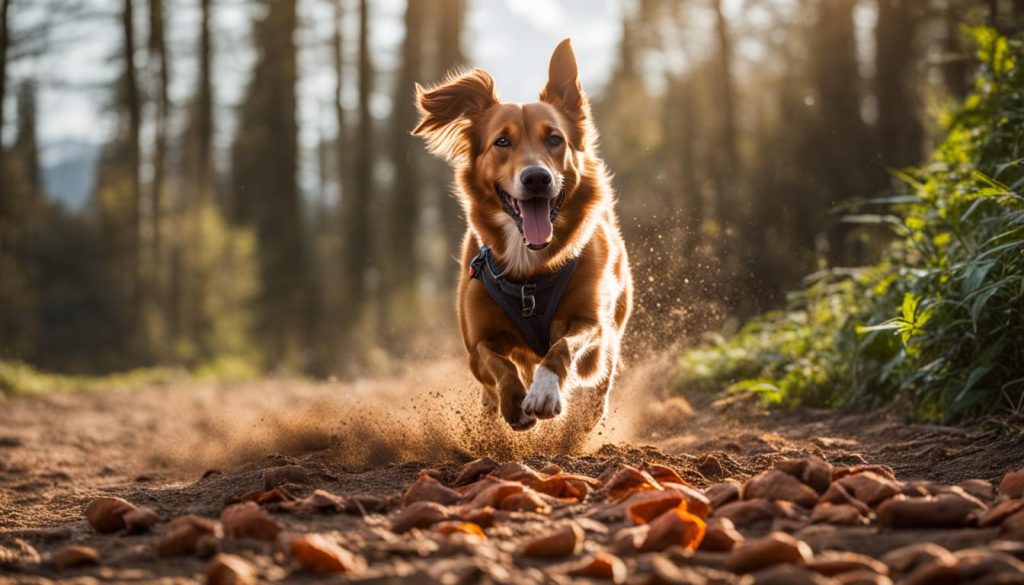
column 500, row 379
column 575, row 353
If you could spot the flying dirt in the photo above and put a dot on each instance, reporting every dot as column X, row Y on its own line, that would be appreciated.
column 398, row 478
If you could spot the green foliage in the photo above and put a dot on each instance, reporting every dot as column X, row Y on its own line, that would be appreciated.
column 21, row 379
column 939, row 320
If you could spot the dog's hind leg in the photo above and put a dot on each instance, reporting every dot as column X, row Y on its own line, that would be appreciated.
column 501, row 383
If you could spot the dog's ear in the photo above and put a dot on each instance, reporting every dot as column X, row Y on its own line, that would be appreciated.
column 565, row 91
column 449, row 108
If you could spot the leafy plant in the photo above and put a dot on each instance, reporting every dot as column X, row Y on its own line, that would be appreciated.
column 939, row 319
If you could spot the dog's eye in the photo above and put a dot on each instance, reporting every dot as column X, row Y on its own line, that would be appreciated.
column 503, row 142
column 554, row 141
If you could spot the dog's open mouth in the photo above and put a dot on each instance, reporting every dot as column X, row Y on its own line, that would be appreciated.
column 535, row 217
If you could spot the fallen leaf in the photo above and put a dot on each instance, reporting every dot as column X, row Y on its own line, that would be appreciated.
column 663, row 473
column 720, row 536
column 722, row 493
column 647, row 509
column 483, row 517
column 278, row 476
column 561, row 542
column 450, row 527
column 942, row 511
column 675, row 527
column 867, row 487
column 696, row 502
column 1001, row 511
column 909, row 558
column 628, row 480
column 813, row 471
column 1012, row 484
column 601, row 566
column 747, row 512
column 881, row 470
column 428, row 489
column 140, row 520
column 73, row 556
column 493, row 495
column 106, row 514
column 318, row 502
column 565, row 485
column 188, row 535
column 832, row 563
column 227, row 569
column 525, row 501
column 515, row 471
column 418, row 515
column 474, row 470
column 774, row 549
column 779, row 485
column 248, row 520
column 837, row 514
column 317, row 554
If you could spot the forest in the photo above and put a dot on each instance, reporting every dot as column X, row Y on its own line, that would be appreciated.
column 229, row 347
column 744, row 136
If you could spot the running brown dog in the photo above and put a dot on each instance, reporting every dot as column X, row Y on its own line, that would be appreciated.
column 549, row 291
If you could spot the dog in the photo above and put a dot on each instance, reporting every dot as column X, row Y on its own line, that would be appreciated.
column 548, row 293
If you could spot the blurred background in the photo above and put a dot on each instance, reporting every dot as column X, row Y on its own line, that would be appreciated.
column 229, row 186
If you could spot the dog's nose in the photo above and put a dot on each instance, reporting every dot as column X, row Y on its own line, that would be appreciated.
column 535, row 179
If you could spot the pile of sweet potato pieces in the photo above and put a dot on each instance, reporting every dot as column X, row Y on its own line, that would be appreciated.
column 799, row 522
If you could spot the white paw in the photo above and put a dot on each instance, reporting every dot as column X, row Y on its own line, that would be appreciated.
column 543, row 399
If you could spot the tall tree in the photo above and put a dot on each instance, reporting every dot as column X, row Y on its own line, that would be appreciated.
column 900, row 133
column 402, row 262
column 842, row 158
column 450, row 15
column 188, row 282
column 728, row 164
column 355, row 205
column 160, row 77
column 21, row 207
column 131, row 102
column 266, row 192
column 5, row 42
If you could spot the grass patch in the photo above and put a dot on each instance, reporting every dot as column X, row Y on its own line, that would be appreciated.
column 21, row 379
column 939, row 320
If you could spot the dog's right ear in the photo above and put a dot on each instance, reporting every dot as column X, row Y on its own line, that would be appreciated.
column 449, row 108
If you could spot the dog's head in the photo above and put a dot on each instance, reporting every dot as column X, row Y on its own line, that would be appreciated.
column 520, row 166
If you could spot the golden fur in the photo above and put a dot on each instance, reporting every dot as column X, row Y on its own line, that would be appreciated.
column 461, row 119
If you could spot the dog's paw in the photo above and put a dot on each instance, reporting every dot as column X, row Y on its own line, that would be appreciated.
column 524, row 422
column 543, row 399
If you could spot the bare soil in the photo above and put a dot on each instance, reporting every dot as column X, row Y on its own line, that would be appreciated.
column 195, row 448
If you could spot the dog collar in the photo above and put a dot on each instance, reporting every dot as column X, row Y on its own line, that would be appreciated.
column 531, row 304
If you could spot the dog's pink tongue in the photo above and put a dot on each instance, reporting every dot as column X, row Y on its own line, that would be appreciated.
column 536, row 221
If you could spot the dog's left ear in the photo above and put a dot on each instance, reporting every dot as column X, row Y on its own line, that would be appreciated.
column 565, row 91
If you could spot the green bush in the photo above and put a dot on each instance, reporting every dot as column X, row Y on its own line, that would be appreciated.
column 939, row 320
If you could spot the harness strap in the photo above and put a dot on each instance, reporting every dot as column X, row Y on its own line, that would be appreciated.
column 530, row 305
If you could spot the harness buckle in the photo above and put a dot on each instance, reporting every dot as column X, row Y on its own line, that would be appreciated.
column 529, row 302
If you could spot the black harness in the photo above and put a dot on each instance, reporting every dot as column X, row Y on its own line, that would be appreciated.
column 530, row 305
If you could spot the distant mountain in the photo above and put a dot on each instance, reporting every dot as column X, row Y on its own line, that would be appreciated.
column 69, row 172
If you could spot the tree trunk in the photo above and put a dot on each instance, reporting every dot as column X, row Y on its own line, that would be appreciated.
column 5, row 41
column 954, row 68
column 402, row 262
column 450, row 15
column 158, row 54
column 728, row 164
column 355, row 205
column 900, row 133
column 266, row 192
column 132, row 105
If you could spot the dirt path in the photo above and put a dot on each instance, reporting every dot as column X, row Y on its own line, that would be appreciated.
column 193, row 449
